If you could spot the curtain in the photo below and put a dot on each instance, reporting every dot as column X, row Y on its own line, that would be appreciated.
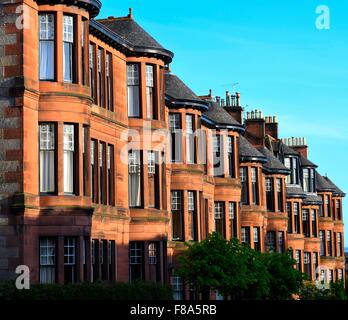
column 68, row 171
column 134, row 190
column 47, row 171
column 133, row 101
column 46, row 60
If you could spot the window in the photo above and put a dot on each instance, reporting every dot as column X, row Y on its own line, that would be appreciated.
column 298, row 260
column 105, row 260
column 68, row 48
column 230, row 155
column 83, row 51
column 93, row 170
column 219, row 215
column 176, row 141
column 291, row 163
column 314, row 223
column 305, row 173
column 108, row 71
column 69, row 260
column 327, row 205
column 112, row 260
column 257, row 244
column 289, row 212
column 177, row 287
column 297, row 228
column 218, row 156
column 190, row 139
column 232, row 213
column 69, row 158
column 154, row 271
column 84, row 158
column 152, row 253
column 151, row 111
column 245, row 235
column 95, row 260
column 135, row 179
column 47, row 46
column 307, row 265
column 244, row 182
column 153, row 179
column 339, row 244
column 329, row 243
column 339, row 274
column 281, row 242
column 177, row 216
column 269, row 194
column 330, row 276
column 47, row 158
column 321, row 207
column 338, row 210
column 192, row 215
column 305, row 222
column 136, row 261
column 322, row 275
column 92, row 70
column 102, row 173
column 47, row 260
column 111, row 184
column 271, row 241
column 280, row 194
column 322, row 243
column 133, row 90
column 254, row 186
column 100, row 76
column 308, row 180
column 316, row 264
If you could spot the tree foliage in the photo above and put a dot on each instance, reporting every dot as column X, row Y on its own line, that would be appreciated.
column 238, row 272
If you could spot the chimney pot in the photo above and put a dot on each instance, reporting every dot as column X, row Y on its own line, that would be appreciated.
column 275, row 119
column 237, row 99
column 228, row 99
column 233, row 100
column 210, row 93
column 222, row 102
column 130, row 13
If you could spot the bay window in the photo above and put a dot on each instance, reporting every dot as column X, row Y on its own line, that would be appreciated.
column 151, row 111
column 279, row 183
column 176, row 140
column 219, row 216
column 133, row 90
column 190, row 139
column 322, row 243
column 47, row 145
column 244, row 182
column 69, row 158
column 314, row 223
column 135, row 179
column 254, row 186
column 153, row 179
column 218, row 156
column 47, row 260
column 305, row 222
column 177, row 215
column 47, row 46
column 192, row 215
column 269, row 194
column 68, row 48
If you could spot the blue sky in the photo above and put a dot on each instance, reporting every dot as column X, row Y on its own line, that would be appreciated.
column 284, row 65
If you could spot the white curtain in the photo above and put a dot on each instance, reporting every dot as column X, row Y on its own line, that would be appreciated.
column 134, row 190
column 133, row 101
column 46, row 171
column 68, row 171
column 46, row 60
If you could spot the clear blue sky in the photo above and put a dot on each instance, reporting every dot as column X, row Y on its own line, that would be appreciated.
column 285, row 66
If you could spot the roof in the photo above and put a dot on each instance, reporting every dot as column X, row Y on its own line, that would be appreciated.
column 273, row 165
column 337, row 190
column 323, row 184
column 312, row 198
column 248, row 153
column 295, row 191
column 131, row 35
column 218, row 115
column 306, row 163
column 177, row 92
column 284, row 149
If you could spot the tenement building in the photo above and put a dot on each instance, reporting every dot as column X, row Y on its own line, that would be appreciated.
column 109, row 163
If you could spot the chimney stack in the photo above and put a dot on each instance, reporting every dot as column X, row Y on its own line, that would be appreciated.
column 255, row 128
column 272, row 127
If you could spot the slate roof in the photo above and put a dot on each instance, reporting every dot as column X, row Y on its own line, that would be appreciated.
column 272, row 164
column 282, row 148
column 306, row 163
column 323, row 184
column 337, row 190
column 219, row 115
column 312, row 199
column 176, row 89
column 249, row 153
column 130, row 31
column 295, row 191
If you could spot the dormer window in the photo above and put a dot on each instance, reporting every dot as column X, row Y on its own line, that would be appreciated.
column 308, row 180
column 291, row 164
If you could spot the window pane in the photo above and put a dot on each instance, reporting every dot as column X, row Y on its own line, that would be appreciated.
column 47, row 157
column 134, row 170
column 69, row 147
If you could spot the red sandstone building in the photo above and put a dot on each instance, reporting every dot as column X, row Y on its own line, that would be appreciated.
column 109, row 162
